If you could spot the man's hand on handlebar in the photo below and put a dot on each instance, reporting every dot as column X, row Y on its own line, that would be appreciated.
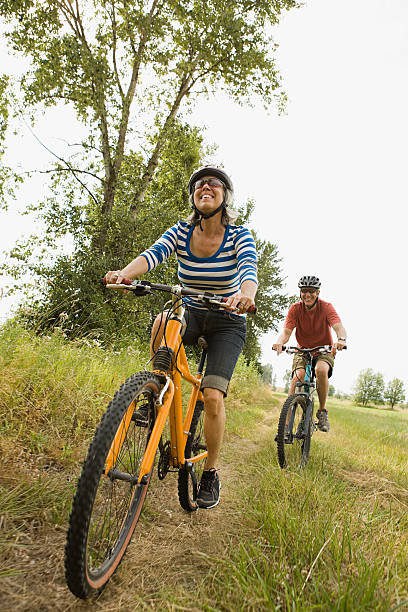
column 277, row 347
column 338, row 346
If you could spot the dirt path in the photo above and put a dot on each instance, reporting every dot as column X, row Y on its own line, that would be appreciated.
column 170, row 550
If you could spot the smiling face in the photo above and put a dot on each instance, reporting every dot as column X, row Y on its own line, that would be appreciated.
column 208, row 197
column 308, row 295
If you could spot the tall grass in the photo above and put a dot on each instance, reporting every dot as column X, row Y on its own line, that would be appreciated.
column 53, row 392
column 333, row 536
column 52, row 396
column 330, row 537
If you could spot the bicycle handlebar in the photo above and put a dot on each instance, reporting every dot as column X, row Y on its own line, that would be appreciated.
column 140, row 288
column 322, row 349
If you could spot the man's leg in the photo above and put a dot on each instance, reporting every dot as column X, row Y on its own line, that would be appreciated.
column 322, row 369
column 214, row 424
column 322, row 379
column 298, row 376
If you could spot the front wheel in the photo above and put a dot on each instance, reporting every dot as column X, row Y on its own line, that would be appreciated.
column 189, row 476
column 293, row 441
column 109, row 499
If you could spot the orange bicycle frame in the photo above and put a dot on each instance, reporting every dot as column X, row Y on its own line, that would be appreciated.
column 170, row 404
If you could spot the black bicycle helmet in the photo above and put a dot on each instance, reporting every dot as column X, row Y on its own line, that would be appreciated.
column 210, row 171
column 309, row 281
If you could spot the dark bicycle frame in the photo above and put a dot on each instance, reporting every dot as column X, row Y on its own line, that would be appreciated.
column 309, row 387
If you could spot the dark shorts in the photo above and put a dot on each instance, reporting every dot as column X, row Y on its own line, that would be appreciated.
column 300, row 362
column 225, row 334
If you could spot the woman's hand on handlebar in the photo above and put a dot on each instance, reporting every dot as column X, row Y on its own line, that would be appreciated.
column 240, row 302
column 114, row 277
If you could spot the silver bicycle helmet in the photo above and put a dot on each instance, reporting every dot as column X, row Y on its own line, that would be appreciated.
column 309, row 281
column 210, row 170
column 219, row 173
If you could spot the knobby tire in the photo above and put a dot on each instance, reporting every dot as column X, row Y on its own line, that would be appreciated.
column 293, row 451
column 106, row 509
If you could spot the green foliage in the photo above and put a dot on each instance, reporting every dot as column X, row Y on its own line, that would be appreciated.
column 68, row 289
column 270, row 301
column 369, row 388
column 267, row 373
column 395, row 392
column 54, row 391
column 286, row 380
column 332, row 391
column 8, row 179
column 129, row 66
column 125, row 70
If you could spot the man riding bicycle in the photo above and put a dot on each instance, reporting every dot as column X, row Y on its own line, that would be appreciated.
column 313, row 319
column 213, row 255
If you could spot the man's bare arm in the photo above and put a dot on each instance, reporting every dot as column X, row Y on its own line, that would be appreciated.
column 282, row 339
column 341, row 333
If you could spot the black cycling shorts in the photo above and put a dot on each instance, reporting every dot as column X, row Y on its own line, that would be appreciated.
column 225, row 334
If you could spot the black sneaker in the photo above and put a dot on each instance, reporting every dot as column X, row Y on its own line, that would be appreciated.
column 300, row 432
column 209, row 491
column 141, row 416
column 285, row 434
column 322, row 420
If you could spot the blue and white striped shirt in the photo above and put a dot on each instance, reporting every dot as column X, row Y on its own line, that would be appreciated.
column 223, row 273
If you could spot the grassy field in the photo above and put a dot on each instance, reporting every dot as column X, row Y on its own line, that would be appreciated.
column 333, row 536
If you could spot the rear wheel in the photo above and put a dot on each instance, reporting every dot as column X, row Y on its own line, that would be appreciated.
column 189, row 476
column 292, row 441
column 107, row 507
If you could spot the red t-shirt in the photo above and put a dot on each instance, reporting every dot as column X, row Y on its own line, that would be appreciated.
column 312, row 326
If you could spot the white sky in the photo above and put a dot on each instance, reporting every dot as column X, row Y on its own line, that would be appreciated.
column 327, row 178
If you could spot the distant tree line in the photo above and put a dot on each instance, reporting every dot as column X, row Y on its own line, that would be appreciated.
column 370, row 388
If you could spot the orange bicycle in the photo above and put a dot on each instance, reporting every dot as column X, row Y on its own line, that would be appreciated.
column 119, row 465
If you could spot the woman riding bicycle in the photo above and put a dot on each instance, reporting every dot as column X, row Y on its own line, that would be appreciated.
column 213, row 255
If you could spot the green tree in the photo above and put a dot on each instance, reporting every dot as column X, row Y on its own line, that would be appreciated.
column 332, row 390
column 68, row 288
column 8, row 178
column 274, row 382
column 126, row 68
column 395, row 392
column 267, row 373
column 369, row 388
column 69, row 292
column 270, row 302
column 286, row 380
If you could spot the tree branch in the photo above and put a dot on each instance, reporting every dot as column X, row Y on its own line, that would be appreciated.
column 61, row 159
column 68, row 169
column 120, row 146
column 114, row 45
column 185, row 86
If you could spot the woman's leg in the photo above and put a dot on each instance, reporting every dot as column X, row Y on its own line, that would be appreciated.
column 157, row 332
column 214, row 424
